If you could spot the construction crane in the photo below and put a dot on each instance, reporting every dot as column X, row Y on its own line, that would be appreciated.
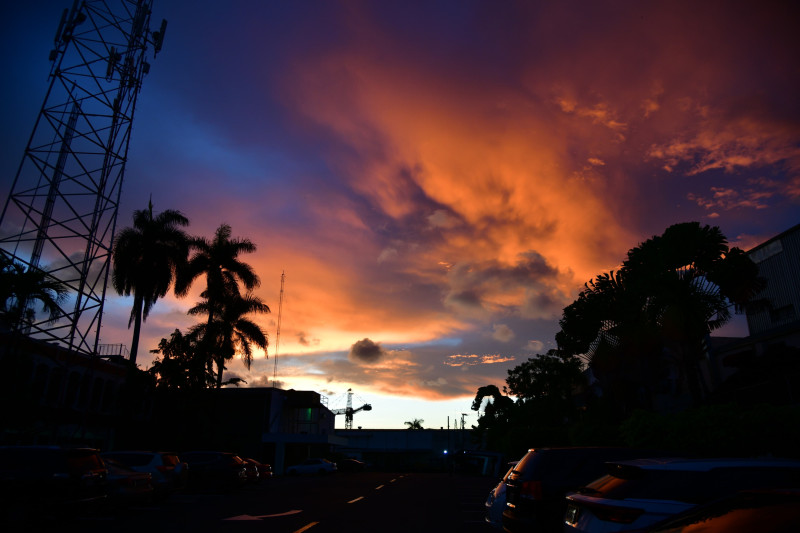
column 348, row 411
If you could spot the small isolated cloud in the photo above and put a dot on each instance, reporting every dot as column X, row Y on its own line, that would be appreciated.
column 366, row 351
column 534, row 346
column 302, row 338
column 459, row 360
column 502, row 333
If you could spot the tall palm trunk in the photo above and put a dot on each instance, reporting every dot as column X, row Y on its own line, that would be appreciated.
column 138, row 305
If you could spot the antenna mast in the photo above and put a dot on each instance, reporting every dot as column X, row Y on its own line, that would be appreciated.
column 62, row 208
column 278, row 331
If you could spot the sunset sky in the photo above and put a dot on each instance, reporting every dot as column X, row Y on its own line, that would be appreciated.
column 438, row 179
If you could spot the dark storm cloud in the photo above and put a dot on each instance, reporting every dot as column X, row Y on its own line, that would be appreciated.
column 528, row 288
column 366, row 351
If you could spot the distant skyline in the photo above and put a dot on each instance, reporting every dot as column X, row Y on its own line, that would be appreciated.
column 438, row 180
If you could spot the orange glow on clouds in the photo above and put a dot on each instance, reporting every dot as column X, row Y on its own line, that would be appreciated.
column 441, row 182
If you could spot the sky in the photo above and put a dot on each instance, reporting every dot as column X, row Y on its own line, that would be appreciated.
column 437, row 180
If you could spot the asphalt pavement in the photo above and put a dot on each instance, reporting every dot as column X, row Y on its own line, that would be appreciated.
column 364, row 502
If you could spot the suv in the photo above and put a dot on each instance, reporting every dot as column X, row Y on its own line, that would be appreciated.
column 168, row 471
column 40, row 478
column 536, row 487
column 636, row 494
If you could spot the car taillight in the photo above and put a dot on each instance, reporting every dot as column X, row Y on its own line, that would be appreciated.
column 610, row 513
column 531, row 490
column 163, row 469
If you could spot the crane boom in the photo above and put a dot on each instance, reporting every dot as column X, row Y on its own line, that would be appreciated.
column 348, row 411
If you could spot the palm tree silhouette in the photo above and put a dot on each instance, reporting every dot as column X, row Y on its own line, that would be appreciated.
column 415, row 424
column 218, row 260
column 146, row 259
column 20, row 287
column 230, row 329
column 671, row 291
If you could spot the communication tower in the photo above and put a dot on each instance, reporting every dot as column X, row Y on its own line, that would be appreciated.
column 61, row 213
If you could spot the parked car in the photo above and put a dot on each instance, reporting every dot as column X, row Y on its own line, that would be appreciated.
column 44, row 479
column 215, row 470
column 351, row 465
column 168, row 472
column 251, row 472
column 496, row 501
column 536, row 488
column 264, row 470
column 126, row 486
column 764, row 511
column 312, row 466
column 639, row 493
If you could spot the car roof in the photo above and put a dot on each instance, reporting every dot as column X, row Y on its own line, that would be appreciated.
column 702, row 465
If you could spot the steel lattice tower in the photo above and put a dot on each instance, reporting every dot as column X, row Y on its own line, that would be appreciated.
column 62, row 210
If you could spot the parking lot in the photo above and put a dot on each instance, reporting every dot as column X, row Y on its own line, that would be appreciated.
column 353, row 502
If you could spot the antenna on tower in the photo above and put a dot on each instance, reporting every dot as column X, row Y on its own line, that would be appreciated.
column 278, row 331
column 61, row 214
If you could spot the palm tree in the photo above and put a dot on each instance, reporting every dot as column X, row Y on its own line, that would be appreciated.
column 219, row 260
column 21, row 286
column 695, row 279
column 231, row 330
column 415, row 424
column 671, row 291
column 146, row 260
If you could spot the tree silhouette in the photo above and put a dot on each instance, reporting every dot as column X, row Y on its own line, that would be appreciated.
column 671, row 291
column 231, row 330
column 182, row 365
column 146, row 259
column 414, row 424
column 21, row 287
column 218, row 259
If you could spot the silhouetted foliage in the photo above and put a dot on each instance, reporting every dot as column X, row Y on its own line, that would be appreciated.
column 414, row 424
column 182, row 365
column 21, row 288
column 719, row 430
column 671, row 291
column 218, row 260
column 146, row 260
column 231, row 330
column 546, row 384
